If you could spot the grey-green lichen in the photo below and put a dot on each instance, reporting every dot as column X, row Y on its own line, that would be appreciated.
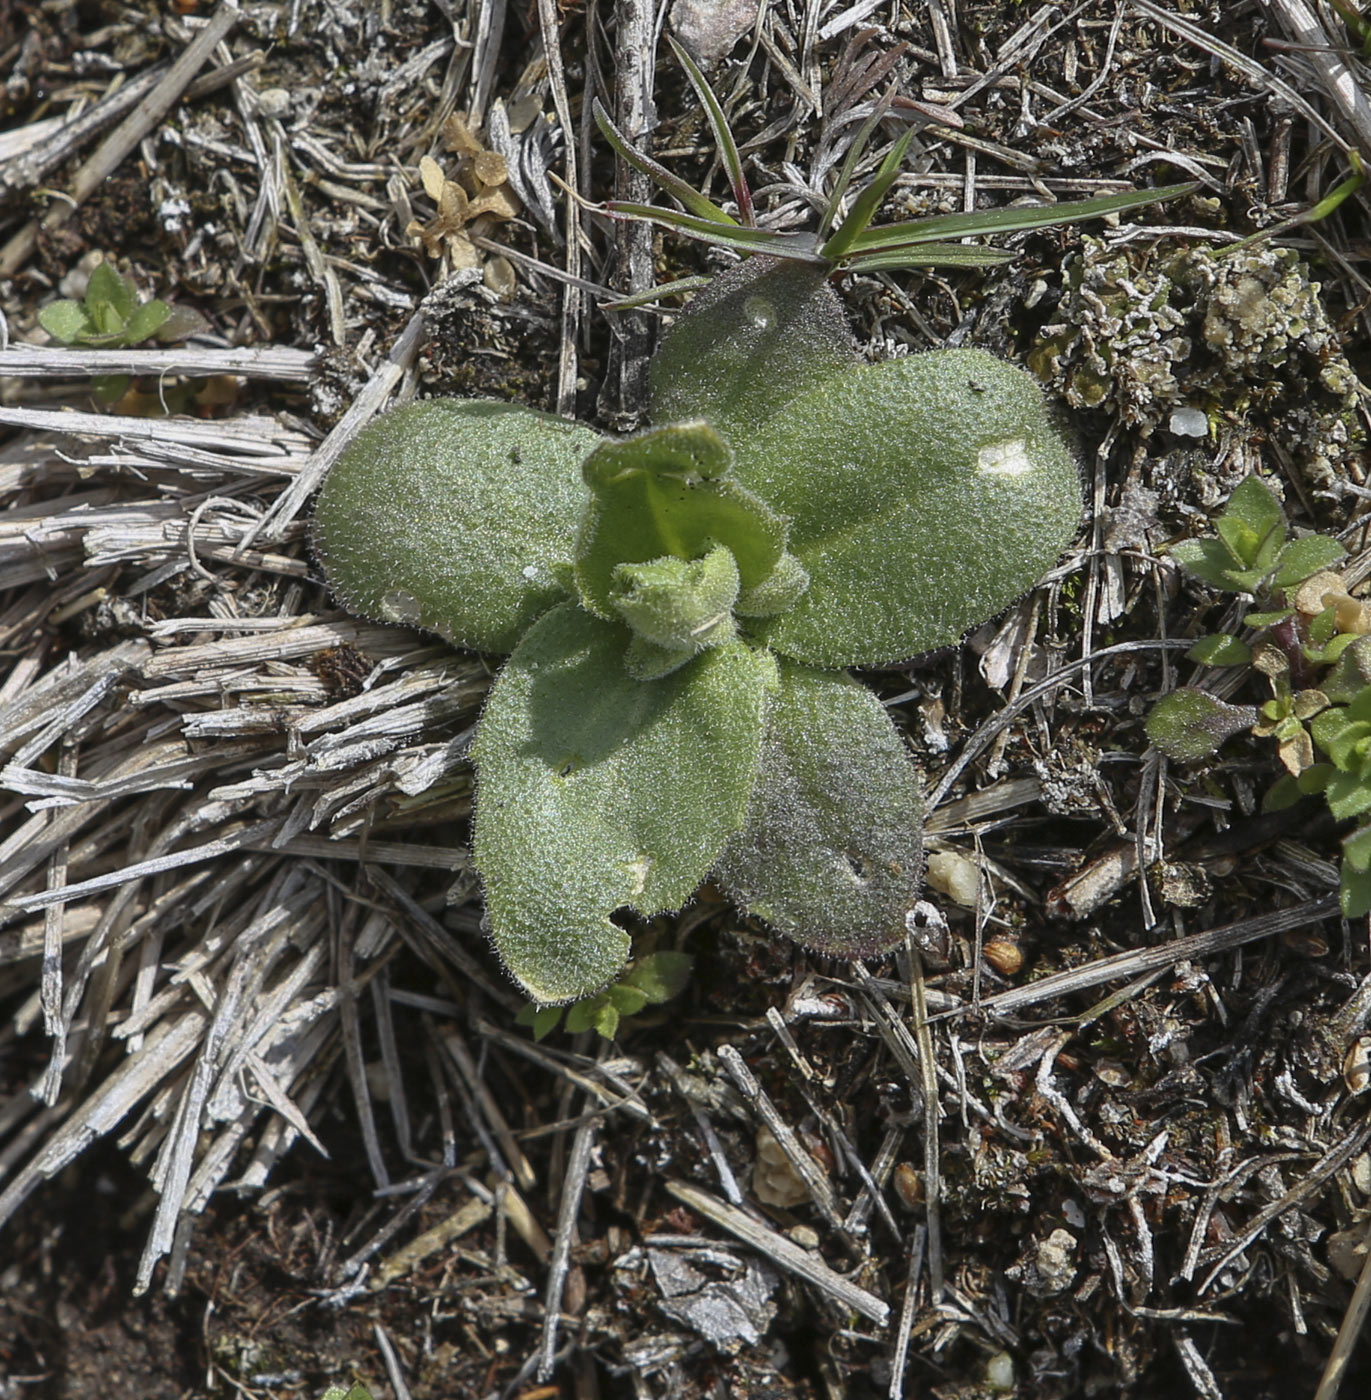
column 1243, row 338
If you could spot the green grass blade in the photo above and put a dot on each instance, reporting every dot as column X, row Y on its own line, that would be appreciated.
column 929, row 255
column 871, row 198
column 849, row 165
column 655, row 294
column 1013, row 219
column 799, row 247
column 723, row 136
column 698, row 204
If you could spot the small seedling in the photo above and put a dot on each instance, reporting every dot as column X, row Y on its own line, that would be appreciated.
column 110, row 317
column 848, row 242
column 1310, row 641
column 648, row 981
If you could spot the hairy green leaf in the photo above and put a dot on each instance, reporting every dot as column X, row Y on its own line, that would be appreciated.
column 145, row 321
column 1348, row 795
column 677, row 608
column 1209, row 560
column 832, row 852
column 1252, row 524
column 181, row 323
column 1351, row 674
column 1354, row 893
column 1220, row 650
column 1189, row 724
column 1303, row 558
column 596, row 792
column 66, row 321
column 458, row 516
column 759, row 336
column 107, row 288
column 660, row 976
column 924, row 494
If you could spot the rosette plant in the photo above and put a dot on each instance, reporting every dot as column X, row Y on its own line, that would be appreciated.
column 679, row 607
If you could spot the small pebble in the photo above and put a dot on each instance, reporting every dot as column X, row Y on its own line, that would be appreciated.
column 1189, row 422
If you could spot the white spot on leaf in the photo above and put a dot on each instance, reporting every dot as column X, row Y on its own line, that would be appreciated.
column 1005, row 458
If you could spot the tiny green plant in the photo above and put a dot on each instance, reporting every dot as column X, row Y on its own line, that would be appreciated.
column 647, row 981
column 110, row 317
column 849, row 241
column 680, row 607
column 1309, row 639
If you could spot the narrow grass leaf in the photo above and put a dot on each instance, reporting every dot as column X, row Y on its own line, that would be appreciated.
column 691, row 198
column 723, row 135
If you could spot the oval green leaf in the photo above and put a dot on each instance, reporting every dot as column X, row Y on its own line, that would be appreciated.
column 759, row 336
column 924, row 495
column 457, row 516
column 832, row 853
column 1190, row 724
column 596, row 792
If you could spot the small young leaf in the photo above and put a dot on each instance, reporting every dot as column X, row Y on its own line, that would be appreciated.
column 66, row 321
column 1356, row 850
column 1302, row 558
column 625, row 999
column 1220, row 650
column 596, row 791
column 832, row 852
column 182, row 322
column 1352, row 673
column 1209, row 560
column 145, row 321
column 1268, row 619
column 110, row 388
column 866, row 204
column 1282, row 794
column 458, row 516
column 680, row 604
column 660, row 976
column 1354, row 893
column 107, row 288
column 668, row 492
column 585, row 1014
column 925, row 494
column 545, row 1020
column 606, row 1020
column 1188, row 724
column 1348, row 795
column 1254, row 514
